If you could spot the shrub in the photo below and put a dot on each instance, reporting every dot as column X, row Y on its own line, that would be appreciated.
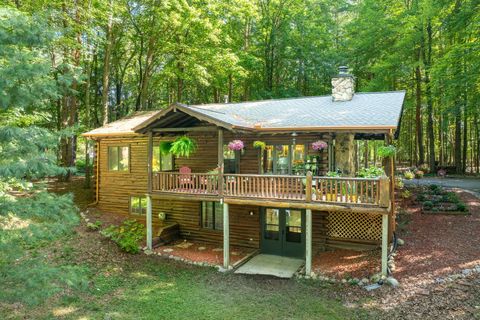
column 127, row 236
column 419, row 174
column 424, row 167
column 406, row 194
column 399, row 183
column 409, row 175
column 428, row 205
column 451, row 197
column 461, row 207
column 94, row 226
column 370, row 172
column 420, row 197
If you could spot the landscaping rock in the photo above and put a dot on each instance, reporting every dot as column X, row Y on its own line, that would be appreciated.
column 168, row 250
column 201, row 248
column 392, row 282
column 400, row 242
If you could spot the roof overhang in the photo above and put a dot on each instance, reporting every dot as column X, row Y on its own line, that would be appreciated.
column 178, row 107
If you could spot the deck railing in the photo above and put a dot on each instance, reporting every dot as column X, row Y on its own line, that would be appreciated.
column 264, row 186
column 362, row 191
column 175, row 182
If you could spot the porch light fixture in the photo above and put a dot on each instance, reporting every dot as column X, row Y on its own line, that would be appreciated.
column 294, row 136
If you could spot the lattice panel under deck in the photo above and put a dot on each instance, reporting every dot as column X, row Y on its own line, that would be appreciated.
column 354, row 225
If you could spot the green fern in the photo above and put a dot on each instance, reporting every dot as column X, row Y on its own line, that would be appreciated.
column 183, row 146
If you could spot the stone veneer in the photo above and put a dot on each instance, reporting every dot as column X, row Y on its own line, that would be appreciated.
column 343, row 87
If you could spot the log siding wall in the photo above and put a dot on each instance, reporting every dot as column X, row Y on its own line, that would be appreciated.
column 116, row 188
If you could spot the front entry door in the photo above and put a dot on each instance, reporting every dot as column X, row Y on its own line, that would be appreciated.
column 283, row 232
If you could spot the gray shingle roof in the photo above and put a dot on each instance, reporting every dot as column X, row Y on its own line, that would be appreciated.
column 366, row 110
column 376, row 109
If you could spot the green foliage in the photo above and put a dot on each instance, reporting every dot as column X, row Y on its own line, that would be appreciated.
column 333, row 174
column 127, row 236
column 371, row 172
column 451, row 197
column 387, row 151
column 409, row 175
column 28, row 153
column 259, row 145
column 94, row 226
column 26, row 79
column 462, row 207
column 29, row 225
column 406, row 194
column 183, row 146
column 165, row 147
column 428, row 205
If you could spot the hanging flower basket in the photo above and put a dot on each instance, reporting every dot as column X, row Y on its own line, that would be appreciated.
column 319, row 145
column 236, row 145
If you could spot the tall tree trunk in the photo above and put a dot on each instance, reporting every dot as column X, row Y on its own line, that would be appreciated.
column 418, row 109
column 106, row 64
column 427, row 58
column 458, row 139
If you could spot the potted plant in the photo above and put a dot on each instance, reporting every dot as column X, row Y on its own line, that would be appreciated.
column 236, row 145
column 319, row 145
column 387, row 151
column 259, row 145
column 183, row 146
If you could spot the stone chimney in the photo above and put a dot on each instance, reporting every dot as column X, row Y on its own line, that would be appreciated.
column 343, row 85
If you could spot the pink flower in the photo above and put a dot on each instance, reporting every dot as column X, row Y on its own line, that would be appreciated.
column 236, row 145
column 319, row 145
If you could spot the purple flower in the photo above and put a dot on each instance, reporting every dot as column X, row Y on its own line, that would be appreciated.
column 319, row 145
column 235, row 145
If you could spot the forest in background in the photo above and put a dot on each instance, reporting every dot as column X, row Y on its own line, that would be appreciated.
column 70, row 65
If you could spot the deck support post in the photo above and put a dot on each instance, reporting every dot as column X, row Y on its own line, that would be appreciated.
column 384, row 244
column 308, row 242
column 226, row 236
column 149, row 222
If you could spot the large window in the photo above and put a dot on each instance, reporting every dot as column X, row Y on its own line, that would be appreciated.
column 162, row 161
column 138, row 205
column 118, row 158
column 284, row 159
column 212, row 215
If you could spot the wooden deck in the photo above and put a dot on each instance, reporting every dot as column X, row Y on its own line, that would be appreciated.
column 361, row 192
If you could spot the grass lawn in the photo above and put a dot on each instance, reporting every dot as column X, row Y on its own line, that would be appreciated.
column 123, row 286
column 79, row 274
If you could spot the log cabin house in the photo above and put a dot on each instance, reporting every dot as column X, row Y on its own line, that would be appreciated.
column 276, row 198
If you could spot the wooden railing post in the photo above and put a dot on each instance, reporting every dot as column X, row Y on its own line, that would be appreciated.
column 384, row 189
column 308, row 187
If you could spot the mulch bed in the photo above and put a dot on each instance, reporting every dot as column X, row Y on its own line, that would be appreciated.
column 436, row 245
column 202, row 252
column 344, row 264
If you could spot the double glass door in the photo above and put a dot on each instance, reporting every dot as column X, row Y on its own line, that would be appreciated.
column 283, row 232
